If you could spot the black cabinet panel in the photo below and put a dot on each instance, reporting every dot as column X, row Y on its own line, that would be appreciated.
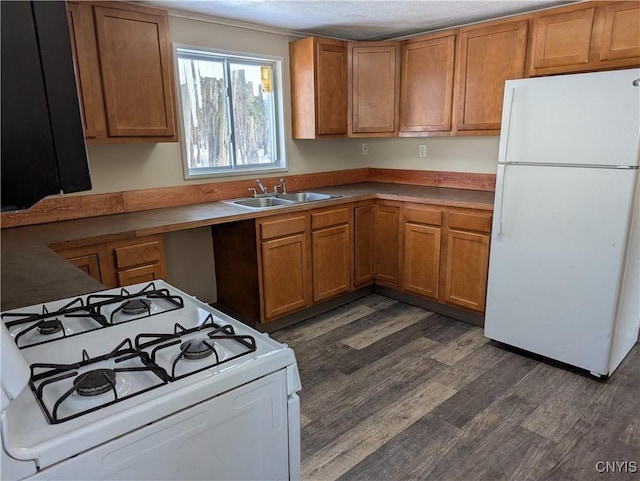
column 43, row 149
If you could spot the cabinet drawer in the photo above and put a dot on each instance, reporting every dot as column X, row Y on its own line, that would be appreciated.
column 136, row 275
column 420, row 215
column 329, row 218
column 475, row 222
column 282, row 227
column 137, row 254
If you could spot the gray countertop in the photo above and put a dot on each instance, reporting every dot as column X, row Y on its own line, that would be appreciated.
column 33, row 273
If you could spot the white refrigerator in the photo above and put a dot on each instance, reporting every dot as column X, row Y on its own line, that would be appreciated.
column 564, row 269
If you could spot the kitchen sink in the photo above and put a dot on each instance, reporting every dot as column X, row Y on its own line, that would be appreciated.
column 304, row 196
column 262, row 202
column 280, row 200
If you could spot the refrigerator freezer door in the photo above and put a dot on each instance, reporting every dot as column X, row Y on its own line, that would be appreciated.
column 588, row 119
column 556, row 260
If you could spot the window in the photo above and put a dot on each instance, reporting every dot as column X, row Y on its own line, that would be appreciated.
column 231, row 113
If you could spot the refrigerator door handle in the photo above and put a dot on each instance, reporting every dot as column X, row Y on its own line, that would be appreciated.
column 508, row 107
column 499, row 204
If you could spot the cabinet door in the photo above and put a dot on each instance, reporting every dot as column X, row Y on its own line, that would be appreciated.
column 285, row 276
column 136, row 72
column 135, row 275
column 374, row 89
column 331, row 261
column 89, row 264
column 489, row 56
column 426, row 84
column 621, row 33
column 331, row 81
column 562, row 39
column 466, row 269
column 387, row 244
column 79, row 16
column 319, row 92
column 422, row 259
column 363, row 244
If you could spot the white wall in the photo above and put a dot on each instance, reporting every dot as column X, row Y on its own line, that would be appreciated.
column 141, row 166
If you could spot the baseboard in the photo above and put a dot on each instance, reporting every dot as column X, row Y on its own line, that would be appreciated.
column 476, row 319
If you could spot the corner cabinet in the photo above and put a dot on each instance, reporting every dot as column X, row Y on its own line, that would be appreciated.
column 124, row 72
column 318, row 88
column 374, row 80
column 426, row 84
column 585, row 37
column 388, row 241
column 488, row 55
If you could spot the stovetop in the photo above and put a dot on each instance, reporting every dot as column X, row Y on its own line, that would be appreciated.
column 94, row 362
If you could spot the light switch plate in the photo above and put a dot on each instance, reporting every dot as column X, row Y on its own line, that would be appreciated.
column 422, row 150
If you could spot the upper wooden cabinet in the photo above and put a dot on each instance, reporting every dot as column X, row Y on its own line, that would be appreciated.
column 489, row 54
column 318, row 88
column 374, row 81
column 587, row 36
column 426, row 84
column 124, row 72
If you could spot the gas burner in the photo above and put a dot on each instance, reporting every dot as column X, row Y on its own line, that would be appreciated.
column 197, row 348
column 96, row 382
column 48, row 327
column 136, row 306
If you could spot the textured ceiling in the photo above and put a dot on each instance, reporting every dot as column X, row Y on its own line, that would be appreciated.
column 357, row 19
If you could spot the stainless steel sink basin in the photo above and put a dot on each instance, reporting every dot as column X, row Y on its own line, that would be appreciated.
column 304, row 196
column 262, row 202
column 280, row 200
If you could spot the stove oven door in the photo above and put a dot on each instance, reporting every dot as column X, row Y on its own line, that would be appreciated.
column 240, row 435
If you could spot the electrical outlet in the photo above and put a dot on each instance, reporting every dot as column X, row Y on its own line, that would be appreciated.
column 422, row 150
column 365, row 148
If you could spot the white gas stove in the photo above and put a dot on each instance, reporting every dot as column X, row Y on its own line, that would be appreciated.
column 145, row 382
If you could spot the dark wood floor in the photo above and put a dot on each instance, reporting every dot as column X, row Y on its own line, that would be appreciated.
column 393, row 392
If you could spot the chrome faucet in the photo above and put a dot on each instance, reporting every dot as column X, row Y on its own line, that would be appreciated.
column 262, row 187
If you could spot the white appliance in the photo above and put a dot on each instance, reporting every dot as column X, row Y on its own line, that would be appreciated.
column 564, row 267
column 145, row 383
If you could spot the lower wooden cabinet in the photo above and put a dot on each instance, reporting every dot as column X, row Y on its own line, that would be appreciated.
column 446, row 254
column 466, row 269
column 363, row 224
column 277, row 265
column 120, row 263
column 331, row 252
column 422, row 237
column 91, row 259
column 285, row 275
column 387, row 243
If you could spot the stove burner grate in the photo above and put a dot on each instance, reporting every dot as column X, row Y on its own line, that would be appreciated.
column 197, row 349
column 96, row 382
column 136, row 306
column 48, row 327
column 93, row 382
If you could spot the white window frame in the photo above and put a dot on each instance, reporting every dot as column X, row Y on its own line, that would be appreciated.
column 280, row 165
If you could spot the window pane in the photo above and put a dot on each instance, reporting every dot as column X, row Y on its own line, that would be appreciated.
column 253, row 113
column 204, row 112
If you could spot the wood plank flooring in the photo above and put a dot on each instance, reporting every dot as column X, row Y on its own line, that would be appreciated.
column 393, row 392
